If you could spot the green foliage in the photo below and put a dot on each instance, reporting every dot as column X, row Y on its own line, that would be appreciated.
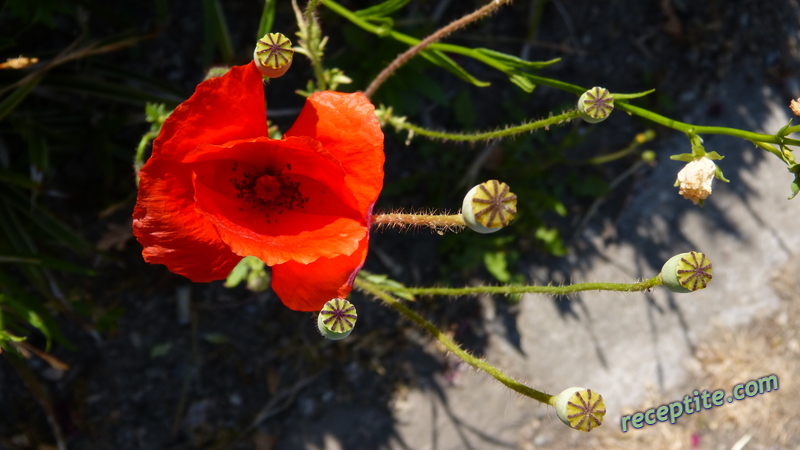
column 39, row 11
column 217, row 36
column 384, row 281
column 42, row 137
column 382, row 9
column 253, row 271
column 267, row 18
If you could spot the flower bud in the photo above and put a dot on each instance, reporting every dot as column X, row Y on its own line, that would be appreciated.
column 273, row 55
column 580, row 408
column 686, row 272
column 595, row 104
column 795, row 107
column 489, row 206
column 337, row 319
column 694, row 180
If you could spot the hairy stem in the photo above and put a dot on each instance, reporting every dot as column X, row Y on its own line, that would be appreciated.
column 452, row 346
column 552, row 290
column 442, row 32
column 487, row 135
column 427, row 220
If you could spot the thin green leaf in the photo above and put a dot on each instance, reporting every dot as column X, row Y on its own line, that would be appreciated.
column 630, row 96
column 382, row 9
column 216, row 338
column 238, row 274
column 30, row 309
column 523, row 82
column 267, row 18
column 217, row 35
column 513, row 61
column 108, row 90
column 47, row 223
column 144, row 82
column 496, row 264
column 45, row 261
column 38, row 151
column 8, row 176
column 15, row 98
column 20, row 242
column 685, row 157
column 385, row 281
column 440, row 59
column 162, row 11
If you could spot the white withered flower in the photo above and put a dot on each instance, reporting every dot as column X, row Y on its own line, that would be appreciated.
column 694, row 180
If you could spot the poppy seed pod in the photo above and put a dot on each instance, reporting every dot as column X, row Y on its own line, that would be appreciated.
column 337, row 319
column 686, row 272
column 580, row 408
column 595, row 104
column 273, row 55
column 488, row 207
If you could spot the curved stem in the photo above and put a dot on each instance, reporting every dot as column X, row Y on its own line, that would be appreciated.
column 442, row 32
column 452, row 346
column 552, row 290
column 487, row 135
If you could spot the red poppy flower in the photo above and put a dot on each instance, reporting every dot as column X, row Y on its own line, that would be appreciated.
column 217, row 188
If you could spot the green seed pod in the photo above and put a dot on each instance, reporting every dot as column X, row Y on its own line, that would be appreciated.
column 273, row 55
column 595, row 104
column 687, row 272
column 580, row 408
column 489, row 206
column 337, row 319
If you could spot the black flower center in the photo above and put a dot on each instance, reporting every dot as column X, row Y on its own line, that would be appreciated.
column 269, row 192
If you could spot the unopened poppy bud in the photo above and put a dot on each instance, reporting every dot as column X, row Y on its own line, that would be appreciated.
column 337, row 319
column 580, row 408
column 489, row 206
column 273, row 55
column 595, row 104
column 687, row 272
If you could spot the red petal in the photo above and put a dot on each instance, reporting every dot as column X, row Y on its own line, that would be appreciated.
column 165, row 221
column 306, row 287
column 346, row 126
column 221, row 109
column 171, row 231
column 316, row 217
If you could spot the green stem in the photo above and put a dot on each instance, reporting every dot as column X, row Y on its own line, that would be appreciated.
column 487, row 135
column 138, row 160
column 791, row 130
column 315, row 39
column 639, row 140
column 452, row 346
column 689, row 128
column 552, row 290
